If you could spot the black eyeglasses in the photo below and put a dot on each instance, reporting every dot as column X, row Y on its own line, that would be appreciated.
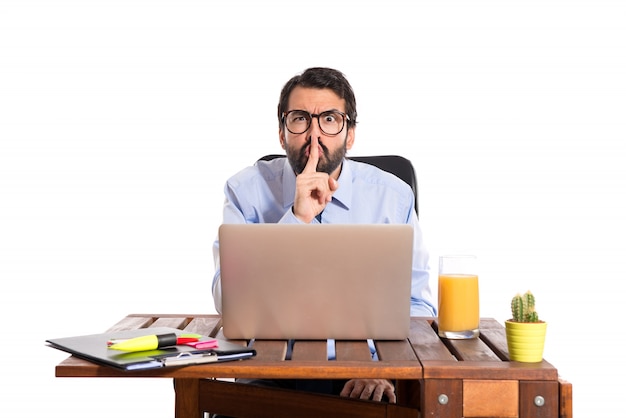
column 331, row 122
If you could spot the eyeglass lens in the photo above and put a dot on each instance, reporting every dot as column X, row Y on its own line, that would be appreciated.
column 330, row 122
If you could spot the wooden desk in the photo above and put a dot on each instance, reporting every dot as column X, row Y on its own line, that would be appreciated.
column 441, row 378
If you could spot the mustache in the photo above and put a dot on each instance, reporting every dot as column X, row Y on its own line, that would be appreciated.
column 308, row 143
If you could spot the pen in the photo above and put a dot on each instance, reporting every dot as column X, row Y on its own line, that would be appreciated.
column 189, row 358
column 151, row 342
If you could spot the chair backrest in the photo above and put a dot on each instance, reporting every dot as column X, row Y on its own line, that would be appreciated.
column 394, row 164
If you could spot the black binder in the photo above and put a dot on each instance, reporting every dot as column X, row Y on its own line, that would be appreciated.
column 94, row 348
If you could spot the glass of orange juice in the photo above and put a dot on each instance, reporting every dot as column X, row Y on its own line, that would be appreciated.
column 458, row 297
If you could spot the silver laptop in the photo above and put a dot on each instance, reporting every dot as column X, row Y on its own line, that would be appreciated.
column 316, row 281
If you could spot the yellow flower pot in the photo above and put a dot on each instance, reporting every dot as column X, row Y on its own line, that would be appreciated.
column 525, row 340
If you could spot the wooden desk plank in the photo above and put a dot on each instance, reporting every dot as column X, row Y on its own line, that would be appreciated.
column 491, row 398
column 353, row 351
column 494, row 335
column 269, row 350
column 254, row 368
column 425, row 341
column 310, row 351
column 394, row 350
column 132, row 322
column 204, row 326
column 505, row 370
column 173, row 322
column 470, row 350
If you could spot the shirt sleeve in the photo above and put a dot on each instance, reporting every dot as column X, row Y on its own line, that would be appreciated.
column 422, row 303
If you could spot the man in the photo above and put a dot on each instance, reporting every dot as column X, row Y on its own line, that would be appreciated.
column 316, row 184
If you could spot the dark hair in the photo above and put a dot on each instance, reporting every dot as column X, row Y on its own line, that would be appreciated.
column 320, row 78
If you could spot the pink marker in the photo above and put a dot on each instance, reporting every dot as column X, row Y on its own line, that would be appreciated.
column 201, row 345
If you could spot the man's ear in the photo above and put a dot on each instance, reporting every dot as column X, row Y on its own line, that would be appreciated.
column 350, row 138
column 281, row 137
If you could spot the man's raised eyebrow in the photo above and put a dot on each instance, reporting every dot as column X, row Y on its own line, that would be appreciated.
column 332, row 110
column 323, row 111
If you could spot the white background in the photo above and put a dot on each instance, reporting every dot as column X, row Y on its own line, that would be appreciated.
column 121, row 120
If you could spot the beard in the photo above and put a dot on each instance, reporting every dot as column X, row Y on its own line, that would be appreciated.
column 328, row 161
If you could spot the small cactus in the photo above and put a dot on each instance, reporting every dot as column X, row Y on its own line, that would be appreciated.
column 523, row 308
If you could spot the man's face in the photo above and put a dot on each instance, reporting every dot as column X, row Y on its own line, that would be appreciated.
column 332, row 148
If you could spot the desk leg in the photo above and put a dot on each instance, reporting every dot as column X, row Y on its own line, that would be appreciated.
column 565, row 399
column 408, row 393
column 187, row 398
column 442, row 398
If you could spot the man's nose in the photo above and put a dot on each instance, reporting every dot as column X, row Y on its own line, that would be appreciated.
column 314, row 127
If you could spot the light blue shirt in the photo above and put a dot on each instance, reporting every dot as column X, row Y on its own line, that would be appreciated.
column 264, row 193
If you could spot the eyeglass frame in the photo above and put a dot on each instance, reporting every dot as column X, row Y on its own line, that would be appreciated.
column 344, row 116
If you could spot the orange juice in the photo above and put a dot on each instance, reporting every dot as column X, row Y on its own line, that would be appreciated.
column 458, row 305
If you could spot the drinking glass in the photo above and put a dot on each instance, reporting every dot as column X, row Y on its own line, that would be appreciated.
column 458, row 297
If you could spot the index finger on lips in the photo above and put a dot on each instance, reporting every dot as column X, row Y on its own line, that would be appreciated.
column 314, row 156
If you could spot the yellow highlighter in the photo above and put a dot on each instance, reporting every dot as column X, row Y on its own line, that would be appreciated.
column 145, row 343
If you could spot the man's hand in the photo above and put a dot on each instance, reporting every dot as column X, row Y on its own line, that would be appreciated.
column 314, row 190
column 373, row 389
